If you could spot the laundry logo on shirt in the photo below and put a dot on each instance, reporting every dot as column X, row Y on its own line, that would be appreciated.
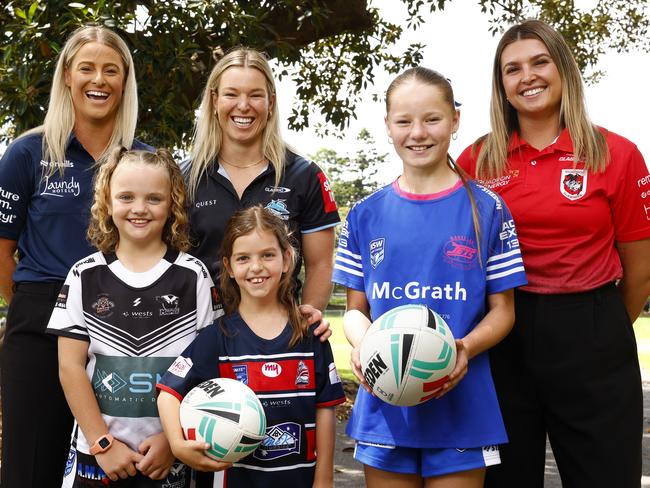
column 573, row 183
column 61, row 188
column 279, row 208
column 460, row 252
column 377, row 248
column 281, row 440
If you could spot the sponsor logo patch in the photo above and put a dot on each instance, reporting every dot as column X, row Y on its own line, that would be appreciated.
column 277, row 189
column 573, row 183
column 271, row 370
column 302, row 374
column 181, row 366
column 377, row 251
column 460, row 252
column 279, row 208
column 169, row 304
column 281, row 440
column 103, row 306
column 328, row 195
column 241, row 372
column 69, row 464
column 62, row 298
column 334, row 374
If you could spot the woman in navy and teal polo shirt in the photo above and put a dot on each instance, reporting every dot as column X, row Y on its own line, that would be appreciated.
column 46, row 180
column 239, row 159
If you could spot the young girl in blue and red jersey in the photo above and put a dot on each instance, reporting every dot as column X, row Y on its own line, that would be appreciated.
column 122, row 317
column 435, row 238
column 263, row 326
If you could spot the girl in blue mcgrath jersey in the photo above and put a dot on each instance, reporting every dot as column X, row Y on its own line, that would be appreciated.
column 262, row 342
column 122, row 317
column 430, row 237
column 45, row 196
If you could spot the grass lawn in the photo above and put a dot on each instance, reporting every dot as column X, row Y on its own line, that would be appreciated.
column 341, row 348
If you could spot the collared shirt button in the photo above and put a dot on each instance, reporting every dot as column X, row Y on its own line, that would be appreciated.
column 533, row 162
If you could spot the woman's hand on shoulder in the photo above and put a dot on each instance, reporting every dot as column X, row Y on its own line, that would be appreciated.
column 119, row 461
column 158, row 457
column 313, row 315
column 193, row 453
column 460, row 370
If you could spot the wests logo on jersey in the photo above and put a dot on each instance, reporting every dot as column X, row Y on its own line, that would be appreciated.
column 573, row 183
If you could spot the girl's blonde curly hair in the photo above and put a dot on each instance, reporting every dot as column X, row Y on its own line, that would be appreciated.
column 102, row 232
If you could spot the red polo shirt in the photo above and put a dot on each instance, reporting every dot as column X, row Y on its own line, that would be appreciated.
column 568, row 219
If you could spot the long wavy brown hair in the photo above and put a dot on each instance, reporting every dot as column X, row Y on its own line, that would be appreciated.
column 102, row 232
column 260, row 219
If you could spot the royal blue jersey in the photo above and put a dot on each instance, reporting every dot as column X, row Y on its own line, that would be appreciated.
column 399, row 249
column 47, row 215
column 289, row 382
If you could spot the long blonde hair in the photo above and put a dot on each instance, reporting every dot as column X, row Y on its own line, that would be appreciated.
column 433, row 78
column 59, row 119
column 588, row 142
column 244, row 222
column 102, row 232
column 208, row 138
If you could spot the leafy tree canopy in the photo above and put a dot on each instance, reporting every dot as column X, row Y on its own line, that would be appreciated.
column 329, row 48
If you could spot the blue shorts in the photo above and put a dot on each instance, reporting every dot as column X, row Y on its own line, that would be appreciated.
column 426, row 462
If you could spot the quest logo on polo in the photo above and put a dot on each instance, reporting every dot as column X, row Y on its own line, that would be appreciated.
column 271, row 370
column 414, row 290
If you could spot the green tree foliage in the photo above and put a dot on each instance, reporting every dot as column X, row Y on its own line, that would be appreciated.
column 352, row 178
column 329, row 48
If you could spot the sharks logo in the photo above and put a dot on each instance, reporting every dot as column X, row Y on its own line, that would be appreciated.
column 279, row 208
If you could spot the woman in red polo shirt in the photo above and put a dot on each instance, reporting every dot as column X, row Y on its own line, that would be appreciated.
column 580, row 196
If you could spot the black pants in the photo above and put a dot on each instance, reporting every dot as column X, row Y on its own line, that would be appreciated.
column 36, row 420
column 570, row 369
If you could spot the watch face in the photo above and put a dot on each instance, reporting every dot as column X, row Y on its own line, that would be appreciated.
column 104, row 442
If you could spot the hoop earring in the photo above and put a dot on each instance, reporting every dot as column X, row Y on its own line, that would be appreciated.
column 454, row 135
column 390, row 140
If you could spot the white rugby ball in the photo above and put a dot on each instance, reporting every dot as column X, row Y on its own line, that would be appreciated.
column 226, row 414
column 406, row 354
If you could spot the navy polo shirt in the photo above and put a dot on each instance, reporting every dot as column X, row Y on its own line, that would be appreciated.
column 47, row 215
column 303, row 199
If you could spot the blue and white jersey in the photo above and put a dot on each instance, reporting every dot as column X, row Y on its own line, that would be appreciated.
column 400, row 248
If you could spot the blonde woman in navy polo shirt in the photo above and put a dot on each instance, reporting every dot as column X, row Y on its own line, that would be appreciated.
column 580, row 196
column 239, row 159
column 46, row 190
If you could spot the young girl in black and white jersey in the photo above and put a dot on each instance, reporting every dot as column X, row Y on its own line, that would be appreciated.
column 123, row 316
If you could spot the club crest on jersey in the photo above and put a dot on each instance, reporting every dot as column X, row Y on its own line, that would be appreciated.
column 103, row 306
column 377, row 250
column 241, row 372
column 573, row 183
column 302, row 374
column 69, row 464
column 281, row 440
column 279, row 208
column 169, row 304
column 176, row 477
column 460, row 252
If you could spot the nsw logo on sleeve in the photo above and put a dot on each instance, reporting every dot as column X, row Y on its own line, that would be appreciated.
column 281, row 440
column 573, row 183
column 241, row 372
column 377, row 250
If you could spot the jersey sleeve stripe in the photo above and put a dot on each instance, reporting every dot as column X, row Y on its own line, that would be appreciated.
column 504, row 264
column 349, row 261
column 497, row 257
column 169, row 390
column 349, row 253
column 331, row 403
column 68, row 332
column 348, row 270
column 518, row 269
column 322, row 227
